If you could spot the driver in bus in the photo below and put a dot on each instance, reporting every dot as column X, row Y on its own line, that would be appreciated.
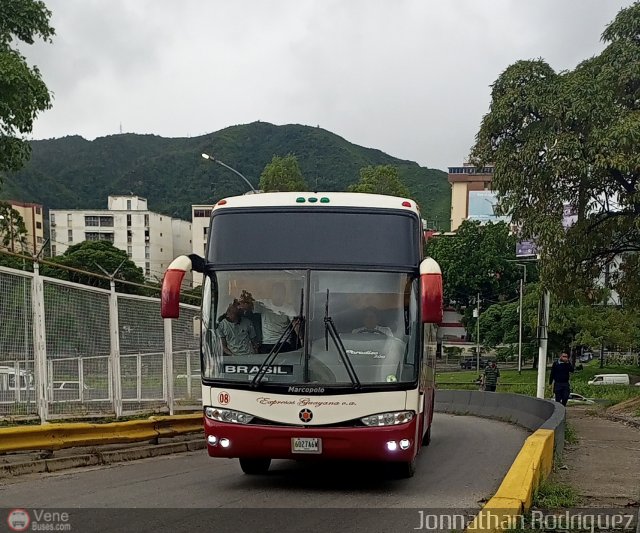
column 372, row 324
column 237, row 333
column 275, row 317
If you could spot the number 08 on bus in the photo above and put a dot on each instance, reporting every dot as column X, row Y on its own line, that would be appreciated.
column 319, row 317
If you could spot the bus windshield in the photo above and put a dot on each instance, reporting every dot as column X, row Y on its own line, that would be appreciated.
column 310, row 326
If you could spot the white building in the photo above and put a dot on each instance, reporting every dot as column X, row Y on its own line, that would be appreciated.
column 150, row 239
column 200, row 217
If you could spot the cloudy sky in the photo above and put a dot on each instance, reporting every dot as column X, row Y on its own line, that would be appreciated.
column 409, row 77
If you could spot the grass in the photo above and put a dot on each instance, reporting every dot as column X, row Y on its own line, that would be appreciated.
column 554, row 495
column 525, row 383
column 570, row 435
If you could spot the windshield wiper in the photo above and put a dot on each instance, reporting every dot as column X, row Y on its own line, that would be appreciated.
column 331, row 330
column 273, row 353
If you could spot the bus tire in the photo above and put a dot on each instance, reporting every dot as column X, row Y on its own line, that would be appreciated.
column 405, row 470
column 426, row 439
column 255, row 466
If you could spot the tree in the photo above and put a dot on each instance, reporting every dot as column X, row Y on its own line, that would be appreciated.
column 23, row 94
column 87, row 256
column 476, row 260
column 570, row 139
column 381, row 179
column 13, row 231
column 282, row 174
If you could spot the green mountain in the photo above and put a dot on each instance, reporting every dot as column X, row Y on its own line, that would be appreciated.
column 74, row 173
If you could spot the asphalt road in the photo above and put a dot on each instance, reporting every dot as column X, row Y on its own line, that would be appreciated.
column 463, row 465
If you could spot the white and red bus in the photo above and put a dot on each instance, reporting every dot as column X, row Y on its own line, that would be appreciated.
column 319, row 313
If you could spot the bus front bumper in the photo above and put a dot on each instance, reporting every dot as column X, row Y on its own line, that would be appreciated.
column 392, row 443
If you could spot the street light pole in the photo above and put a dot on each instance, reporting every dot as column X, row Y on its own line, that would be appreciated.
column 214, row 160
column 543, row 328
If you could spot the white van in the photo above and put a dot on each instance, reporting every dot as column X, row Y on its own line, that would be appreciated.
column 610, row 379
column 8, row 381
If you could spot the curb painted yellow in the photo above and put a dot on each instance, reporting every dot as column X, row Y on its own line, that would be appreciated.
column 58, row 436
column 514, row 496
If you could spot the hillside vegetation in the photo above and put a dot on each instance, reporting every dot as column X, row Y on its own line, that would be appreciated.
column 75, row 173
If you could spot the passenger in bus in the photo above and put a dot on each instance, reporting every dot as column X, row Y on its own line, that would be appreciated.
column 237, row 333
column 275, row 317
column 372, row 324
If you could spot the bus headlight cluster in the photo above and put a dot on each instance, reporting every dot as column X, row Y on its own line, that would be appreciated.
column 392, row 445
column 227, row 415
column 388, row 419
column 212, row 440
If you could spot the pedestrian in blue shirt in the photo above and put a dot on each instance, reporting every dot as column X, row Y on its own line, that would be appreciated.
column 561, row 371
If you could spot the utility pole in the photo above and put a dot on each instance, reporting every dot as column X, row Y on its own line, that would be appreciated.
column 520, row 331
column 11, row 230
column 478, row 335
column 523, row 280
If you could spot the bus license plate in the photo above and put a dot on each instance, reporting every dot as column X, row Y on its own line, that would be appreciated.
column 306, row 445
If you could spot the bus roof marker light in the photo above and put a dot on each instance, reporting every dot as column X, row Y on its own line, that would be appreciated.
column 313, row 200
column 300, row 200
column 222, row 202
column 406, row 204
column 324, row 200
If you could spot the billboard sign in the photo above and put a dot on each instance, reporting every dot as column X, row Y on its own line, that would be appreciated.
column 528, row 248
column 482, row 207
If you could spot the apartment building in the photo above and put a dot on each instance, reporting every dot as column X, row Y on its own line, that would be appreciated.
column 33, row 216
column 470, row 191
column 151, row 240
column 200, row 217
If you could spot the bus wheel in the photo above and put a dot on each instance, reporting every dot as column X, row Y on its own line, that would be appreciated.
column 255, row 466
column 405, row 470
column 426, row 440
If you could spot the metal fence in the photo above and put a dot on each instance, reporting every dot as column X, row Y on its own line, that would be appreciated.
column 69, row 350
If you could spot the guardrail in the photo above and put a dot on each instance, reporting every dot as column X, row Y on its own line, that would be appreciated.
column 58, row 436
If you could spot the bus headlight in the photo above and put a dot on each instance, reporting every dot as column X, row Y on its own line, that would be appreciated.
column 388, row 419
column 227, row 415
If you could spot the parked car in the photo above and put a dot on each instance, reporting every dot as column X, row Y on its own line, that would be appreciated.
column 68, row 385
column 579, row 399
column 470, row 363
column 610, row 379
column 585, row 357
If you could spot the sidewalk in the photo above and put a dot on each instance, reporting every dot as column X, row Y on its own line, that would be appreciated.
column 19, row 463
column 604, row 465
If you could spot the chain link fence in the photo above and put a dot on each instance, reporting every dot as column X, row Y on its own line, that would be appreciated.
column 69, row 350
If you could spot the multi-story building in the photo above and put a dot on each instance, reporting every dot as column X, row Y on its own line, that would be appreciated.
column 200, row 216
column 150, row 239
column 466, row 181
column 32, row 215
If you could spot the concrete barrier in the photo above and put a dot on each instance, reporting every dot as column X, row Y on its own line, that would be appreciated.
column 504, row 511
column 526, row 411
column 58, row 436
column 534, row 462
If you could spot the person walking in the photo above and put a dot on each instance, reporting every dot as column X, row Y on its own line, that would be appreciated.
column 491, row 375
column 561, row 371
